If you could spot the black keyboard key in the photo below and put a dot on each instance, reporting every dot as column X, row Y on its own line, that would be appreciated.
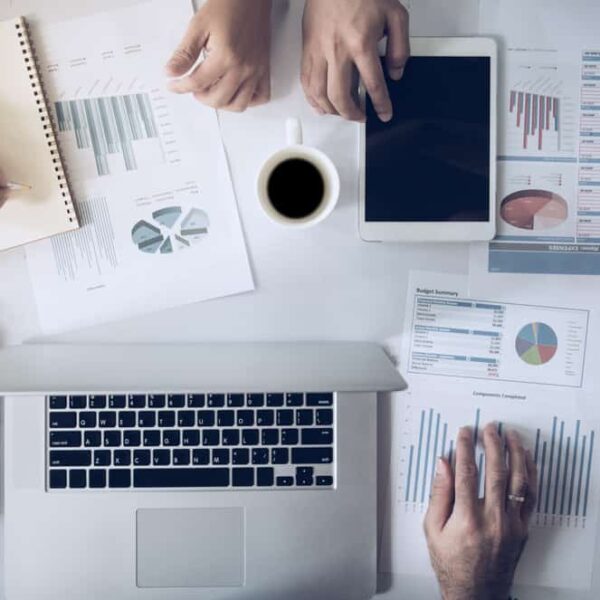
column 156, row 400
column 151, row 437
column 260, row 456
column 77, row 402
column 285, row 481
column 225, row 418
column 325, row 480
column 243, row 477
column 249, row 437
column 146, row 418
column 136, row 401
column 317, row 436
column 191, row 437
column 294, row 399
column 102, row 458
column 280, row 456
column 304, row 417
column 58, row 402
column 265, row 476
column 132, row 438
column 270, row 437
column 63, row 420
column 77, row 479
column 119, row 478
column 196, row 400
column 112, row 439
column 220, row 456
column 161, row 457
column 117, row 401
column 70, row 458
column 319, row 399
column 107, row 419
column 97, row 402
column 305, row 471
column 206, row 418
column 240, row 456
column 171, row 437
column 87, row 420
column 65, row 439
column 304, row 476
column 265, row 417
column 126, row 419
column 122, row 458
column 235, row 400
column 141, row 458
column 176, row 400
column 216, row 400
column 184, row 477
column 166, row 418
column 274, row 399
column 324, row 416
column 181, row 457
column 186, row 418
column 58, row 479
column 312, row 456
column 210, row 437
column 200, row 457
column 230, row 437
column 97, row 478
column 289, row 437
column 92, row 439
column 245, row 418
column 253, row 400
column 285, row 417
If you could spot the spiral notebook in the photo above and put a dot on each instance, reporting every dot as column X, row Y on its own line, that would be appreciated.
column 28, row 150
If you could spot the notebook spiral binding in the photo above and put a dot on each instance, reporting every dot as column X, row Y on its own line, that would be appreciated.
column 29, row 57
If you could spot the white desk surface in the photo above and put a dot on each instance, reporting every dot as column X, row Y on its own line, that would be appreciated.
column 324, row 284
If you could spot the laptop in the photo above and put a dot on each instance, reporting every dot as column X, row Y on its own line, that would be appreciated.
column 191, row 471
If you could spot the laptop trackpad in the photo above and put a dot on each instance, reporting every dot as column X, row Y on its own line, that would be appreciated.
column 202, row 547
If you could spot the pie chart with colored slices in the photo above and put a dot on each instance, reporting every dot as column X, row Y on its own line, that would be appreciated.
column 534, row 210
column 536, row 344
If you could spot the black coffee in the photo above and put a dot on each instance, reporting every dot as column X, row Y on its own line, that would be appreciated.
column 296, row 188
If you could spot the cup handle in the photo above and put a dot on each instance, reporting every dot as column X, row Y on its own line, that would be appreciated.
column 293, row 130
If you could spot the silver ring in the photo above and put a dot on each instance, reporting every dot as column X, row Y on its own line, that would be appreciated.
column 514, row 498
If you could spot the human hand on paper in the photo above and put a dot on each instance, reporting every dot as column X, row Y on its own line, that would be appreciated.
column 341, row 35
column 236, row 74
column 475, row 544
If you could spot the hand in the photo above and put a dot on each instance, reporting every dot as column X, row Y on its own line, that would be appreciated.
column 475, row 544
column 340, row 35
column 3, row 189
column 236, row 74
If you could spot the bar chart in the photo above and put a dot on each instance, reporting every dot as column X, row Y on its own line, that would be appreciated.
column 535, row 115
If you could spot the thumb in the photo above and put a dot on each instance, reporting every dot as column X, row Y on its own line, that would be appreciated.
column 187, row 52
column 442, row 497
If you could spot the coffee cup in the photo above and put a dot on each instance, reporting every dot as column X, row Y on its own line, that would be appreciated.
column 298, row 186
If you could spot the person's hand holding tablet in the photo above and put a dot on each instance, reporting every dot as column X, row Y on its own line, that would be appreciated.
column 343, row 35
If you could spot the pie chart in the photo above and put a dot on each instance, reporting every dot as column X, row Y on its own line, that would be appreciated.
column 534, row 210
column 536, row 344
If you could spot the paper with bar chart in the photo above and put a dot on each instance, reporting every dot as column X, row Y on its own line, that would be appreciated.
column 522, row 366
column 149, row 172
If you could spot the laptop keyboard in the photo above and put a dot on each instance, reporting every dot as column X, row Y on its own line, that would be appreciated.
column 192, row 441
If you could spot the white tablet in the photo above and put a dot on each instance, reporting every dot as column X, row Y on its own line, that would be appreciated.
column 430, row 173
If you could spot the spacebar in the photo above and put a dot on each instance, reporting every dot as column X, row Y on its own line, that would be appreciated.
column 177, row 478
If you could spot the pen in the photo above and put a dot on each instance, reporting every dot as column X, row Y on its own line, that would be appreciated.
column 13, row 186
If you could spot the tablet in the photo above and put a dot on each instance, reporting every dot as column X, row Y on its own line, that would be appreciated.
column 430, row 173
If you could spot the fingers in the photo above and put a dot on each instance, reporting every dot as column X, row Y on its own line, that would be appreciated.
column 442, row 497
column 496, row 472
column 221, row 93
column 262, row 93
column 371, row 71
column 204, row 77
column 398, row 46
column 465, row 479
column 531, row 498
column 317, row 87
column 243, row 97
column 188, row 50
column 339, row 90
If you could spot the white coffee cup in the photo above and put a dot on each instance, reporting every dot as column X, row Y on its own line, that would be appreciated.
column 295, row 149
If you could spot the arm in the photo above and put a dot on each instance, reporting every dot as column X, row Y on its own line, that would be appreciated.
column 236, row 35
column 475, row 544
column 342, row 36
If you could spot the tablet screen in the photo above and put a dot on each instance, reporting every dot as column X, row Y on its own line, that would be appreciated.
column 431, row 163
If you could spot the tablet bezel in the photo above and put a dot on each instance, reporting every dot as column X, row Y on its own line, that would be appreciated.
column 411, row 231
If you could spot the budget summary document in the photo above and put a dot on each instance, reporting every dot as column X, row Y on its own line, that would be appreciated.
column 160, row 226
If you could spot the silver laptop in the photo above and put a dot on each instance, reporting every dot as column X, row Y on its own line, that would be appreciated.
column 186, row 471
